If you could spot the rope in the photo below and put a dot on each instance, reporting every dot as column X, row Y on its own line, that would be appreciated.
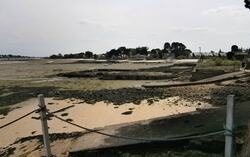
column 119, row 136
column 143, row 139
column 5, row 125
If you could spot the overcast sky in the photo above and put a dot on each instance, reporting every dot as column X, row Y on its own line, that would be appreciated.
column 43, row 27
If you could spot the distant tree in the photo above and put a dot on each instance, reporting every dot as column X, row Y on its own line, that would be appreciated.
column 248, row 51
column 53, row 56
column 88, row 54
column 112, row 53
column 67, row 56
column 132, row 52
column 79, row 55
column 219, row 54
column 166, row 49
column 234, row 48
column 230, row 55
column 247, row 4
column 187, row 52
column 155, row 53
column 212, row 53
column 10, row 56
column 193, row 55
column 58, row 56
column 167, row 46
column 202, row 57
column 142, row 50
column 123, row 51
column 178, row 49
column 95, row 56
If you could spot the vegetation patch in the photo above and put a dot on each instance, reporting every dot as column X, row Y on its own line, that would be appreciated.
column 219, row 63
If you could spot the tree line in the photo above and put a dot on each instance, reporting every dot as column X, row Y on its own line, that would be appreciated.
column 175, row 49
column 87, row 55
column 236, row 52
column 13, row 56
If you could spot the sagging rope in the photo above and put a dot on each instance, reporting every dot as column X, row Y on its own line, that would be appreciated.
column 193, row 136
column 5, row 125
column 188, row 137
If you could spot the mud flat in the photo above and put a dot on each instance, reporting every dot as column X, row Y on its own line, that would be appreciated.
column 119, row 75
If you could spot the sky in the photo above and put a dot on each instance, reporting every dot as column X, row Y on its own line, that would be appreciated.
column 45, row 27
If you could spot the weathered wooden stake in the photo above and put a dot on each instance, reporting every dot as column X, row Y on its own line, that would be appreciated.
column 44, row 125
column 229, row 133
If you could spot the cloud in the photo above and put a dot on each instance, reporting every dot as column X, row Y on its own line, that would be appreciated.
column 231, row 11
column 185, row 30
column 91, row 23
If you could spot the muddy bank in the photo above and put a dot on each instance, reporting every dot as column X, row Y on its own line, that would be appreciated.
column 154, row 73
column 214, row 94
column 194, row 148
column 200, row 74
column 118, row 75
column 200, row 148
column 211, row 93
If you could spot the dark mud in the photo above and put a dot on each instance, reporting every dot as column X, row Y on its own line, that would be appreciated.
column 119, row 75
column 185, row 148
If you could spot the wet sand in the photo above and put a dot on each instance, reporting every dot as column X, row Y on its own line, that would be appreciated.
column 95, row 115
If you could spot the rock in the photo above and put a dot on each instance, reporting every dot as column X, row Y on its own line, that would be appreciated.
column 64, row 114
column 50, row 103
column 69, row 120
column 150, row 101
column 127, row 113
column 36, row 118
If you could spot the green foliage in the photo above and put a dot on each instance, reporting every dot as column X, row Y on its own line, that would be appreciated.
column 210, row 63
column 247, row 4
column 88, row 54
column 176, row 48
column 234, row 48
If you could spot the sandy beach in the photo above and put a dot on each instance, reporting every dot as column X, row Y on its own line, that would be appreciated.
column 95, row 115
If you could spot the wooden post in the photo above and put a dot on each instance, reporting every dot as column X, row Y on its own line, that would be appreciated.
column 229, row 133
column 44, row 125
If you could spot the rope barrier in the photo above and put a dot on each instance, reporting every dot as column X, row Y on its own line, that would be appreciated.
column 228, row 131
column 194, row 136
column 5, row 125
